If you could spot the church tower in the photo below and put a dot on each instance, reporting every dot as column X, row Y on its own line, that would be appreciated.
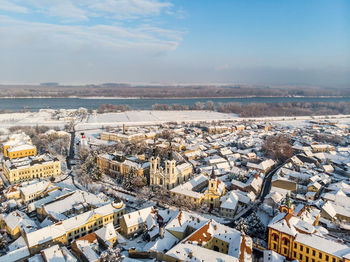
column 212, row 182
column 154, row 171
column 170, row 169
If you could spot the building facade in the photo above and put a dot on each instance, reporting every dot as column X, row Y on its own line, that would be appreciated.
column 295, row 239
column 20, row 151
column 19, row 145
column 115, row 165
column 215, row 191
column 66, row 231
column 28, row 168
column 168, row 174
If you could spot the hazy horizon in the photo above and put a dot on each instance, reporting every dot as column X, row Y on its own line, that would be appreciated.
column 175, row 42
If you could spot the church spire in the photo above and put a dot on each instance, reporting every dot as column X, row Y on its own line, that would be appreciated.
column 212, row 175
column 170, row 152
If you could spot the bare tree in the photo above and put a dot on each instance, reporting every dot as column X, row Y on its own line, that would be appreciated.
column 197, row 106
column 210, row 105
column 138, row 181
column 278, row 147
column 143, row 194
column 83, row 153
column 111, row 255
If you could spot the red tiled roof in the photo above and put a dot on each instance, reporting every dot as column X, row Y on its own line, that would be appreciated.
column 200, row 236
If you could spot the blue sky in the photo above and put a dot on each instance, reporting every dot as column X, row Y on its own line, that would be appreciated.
column 180, row 41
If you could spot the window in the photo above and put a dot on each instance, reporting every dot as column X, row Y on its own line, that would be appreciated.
column 320, row 255
column 301, row 248
column 307, row 250
column 334, row 260
column 301, row 256
column 295, row 245
column 313, row 253
column 295, row 254
column 274, row 246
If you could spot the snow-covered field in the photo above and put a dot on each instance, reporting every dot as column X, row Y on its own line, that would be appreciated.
column 50, row 117
column 29, row 118
column 154, row 117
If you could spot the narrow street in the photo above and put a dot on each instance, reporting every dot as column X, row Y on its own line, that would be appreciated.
column 70, row 155
column 266, row 185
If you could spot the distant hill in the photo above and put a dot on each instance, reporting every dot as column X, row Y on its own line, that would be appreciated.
column 53, row 89
column 50, row 84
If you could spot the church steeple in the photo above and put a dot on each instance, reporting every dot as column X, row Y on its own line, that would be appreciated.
column 170, row 152
column 212, row 175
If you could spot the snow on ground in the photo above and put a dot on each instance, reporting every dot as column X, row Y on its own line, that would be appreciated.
column 43, row 117
column 152, row 117
column 50, row 117
column 294, row 123
column 67, row 183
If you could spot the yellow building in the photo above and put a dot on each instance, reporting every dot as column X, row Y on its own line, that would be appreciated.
column 20, row 151
column 218, row 129
column 12, row 192
column 66, row 231
column 17, row 223
column 317, row 148
column 240, row 128
column 295, row 238
column 118, row 165
column 107, row 235
column 201, row 239
column 191, row 190
column 36, row 190
column 134, row 222
column 126, row 137
column 28, row 168
column 215, row 190
column 19, row 145
column 30, row 190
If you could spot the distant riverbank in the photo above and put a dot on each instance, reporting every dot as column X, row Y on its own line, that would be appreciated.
column 35, row 104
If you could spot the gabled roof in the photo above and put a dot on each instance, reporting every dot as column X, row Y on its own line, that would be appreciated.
column 48, row 233
column 183, row 220
column 107, row 232
column 240, row 246
column 19, row 219
column 138, row 217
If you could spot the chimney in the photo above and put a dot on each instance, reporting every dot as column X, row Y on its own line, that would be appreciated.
column 161, row 229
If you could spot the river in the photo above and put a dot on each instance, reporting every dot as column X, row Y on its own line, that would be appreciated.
column 34, row 104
